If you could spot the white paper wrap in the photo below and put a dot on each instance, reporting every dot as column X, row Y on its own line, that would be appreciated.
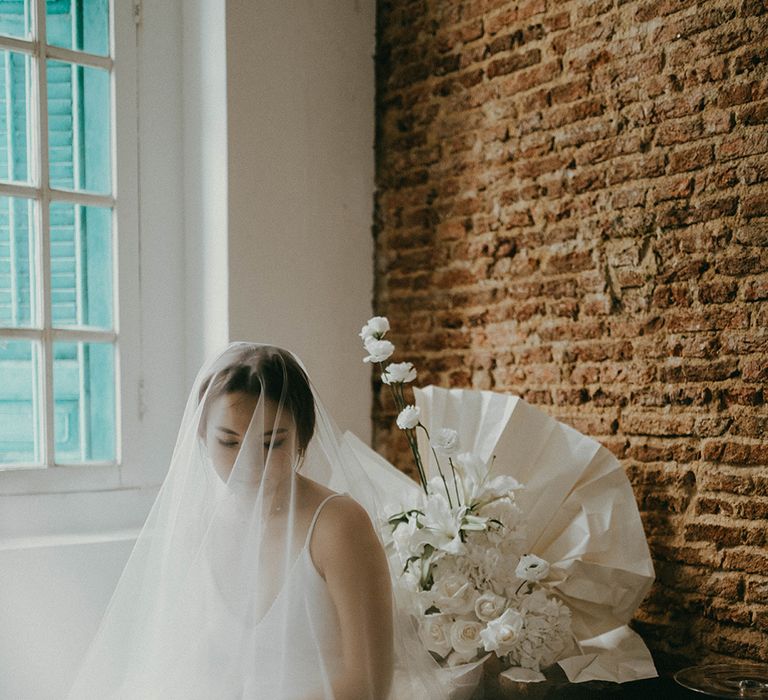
column 580, row 512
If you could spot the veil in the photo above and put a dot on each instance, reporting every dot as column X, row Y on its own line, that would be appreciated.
column 258, row 573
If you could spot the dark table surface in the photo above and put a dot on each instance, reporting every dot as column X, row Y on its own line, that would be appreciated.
column 557, row 686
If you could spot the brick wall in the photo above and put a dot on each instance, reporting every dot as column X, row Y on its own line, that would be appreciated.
column 572, row 205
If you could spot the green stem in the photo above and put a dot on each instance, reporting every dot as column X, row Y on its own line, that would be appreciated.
column 440, row 471
column 417, row 458
column 455, row 484
column 397, row 395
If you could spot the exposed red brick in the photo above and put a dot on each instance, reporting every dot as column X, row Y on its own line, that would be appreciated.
column 572, row 206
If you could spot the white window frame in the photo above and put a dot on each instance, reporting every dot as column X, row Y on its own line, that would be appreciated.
column 92, row 476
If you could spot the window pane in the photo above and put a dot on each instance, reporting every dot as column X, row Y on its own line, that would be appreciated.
column 18, row 402
column 84, row 401
column 17, row 262
column 14, row 113
column 80, row 24
column 81, row 265
column 15, row 18
column 78, row 127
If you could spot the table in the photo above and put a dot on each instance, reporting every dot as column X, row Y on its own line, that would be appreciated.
column 557, row 686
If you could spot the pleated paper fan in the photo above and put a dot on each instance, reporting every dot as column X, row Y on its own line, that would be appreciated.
column 580, row 512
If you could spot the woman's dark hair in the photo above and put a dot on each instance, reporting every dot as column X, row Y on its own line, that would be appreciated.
column 272, row 372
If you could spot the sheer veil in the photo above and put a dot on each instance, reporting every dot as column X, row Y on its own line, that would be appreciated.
column 258, row 573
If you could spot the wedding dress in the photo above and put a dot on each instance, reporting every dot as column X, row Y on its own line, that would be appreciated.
column 259, row 574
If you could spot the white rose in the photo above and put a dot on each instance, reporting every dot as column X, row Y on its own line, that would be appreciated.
column 465, row 638
column 532, row 568
column 434, row 633
column 378, row 350
column 445, row 442
column 398, row 372
column 409, row 417
column 501, row 634
column 489, row 606
column 455, row 594
column 375, row 328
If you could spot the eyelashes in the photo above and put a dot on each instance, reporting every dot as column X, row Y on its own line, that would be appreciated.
column 235, row 443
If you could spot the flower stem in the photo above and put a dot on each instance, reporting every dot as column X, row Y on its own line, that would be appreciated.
column 417, row 458
column 440, row 471
column 455, row 484
column 397, row 396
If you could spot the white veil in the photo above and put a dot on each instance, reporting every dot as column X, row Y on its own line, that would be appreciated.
column 250, row 579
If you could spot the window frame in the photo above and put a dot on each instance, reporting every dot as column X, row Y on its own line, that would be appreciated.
column 126, row 332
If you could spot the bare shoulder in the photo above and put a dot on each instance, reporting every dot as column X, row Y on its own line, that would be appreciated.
column 344, row 517
column 344, row 535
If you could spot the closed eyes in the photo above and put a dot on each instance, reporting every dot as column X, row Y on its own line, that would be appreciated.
column 235, row 443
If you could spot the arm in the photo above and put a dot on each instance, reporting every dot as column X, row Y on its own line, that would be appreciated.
column 350, row 558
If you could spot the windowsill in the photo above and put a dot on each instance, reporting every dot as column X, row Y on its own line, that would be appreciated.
column 68, row 479
column 70, row 539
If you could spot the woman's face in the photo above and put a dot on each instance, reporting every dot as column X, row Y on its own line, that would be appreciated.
column 228, row 420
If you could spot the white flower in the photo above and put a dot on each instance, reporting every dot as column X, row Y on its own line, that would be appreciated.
column 539, row 603
column 375, row 328
column 532, row 568
column 507, row 513
column 471, row 465
column 398, row 372
column 409, row 417
column 501, row 634
column 434, row 633
column 489, row 606
column 465, row 638
column 410, row 593
column 378, row 350
column 455, row 594
column 445, row 442
column 443, row 523
column 500, row 487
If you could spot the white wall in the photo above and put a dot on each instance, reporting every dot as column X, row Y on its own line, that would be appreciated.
column 205, row 180
column 300, row 121
column 255, row 182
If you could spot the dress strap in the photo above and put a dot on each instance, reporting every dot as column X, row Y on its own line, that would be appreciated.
column 315, row 516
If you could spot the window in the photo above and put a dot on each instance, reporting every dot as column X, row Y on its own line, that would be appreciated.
column 58, row 324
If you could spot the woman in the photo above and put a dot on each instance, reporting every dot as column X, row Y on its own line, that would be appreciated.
column 258, row 573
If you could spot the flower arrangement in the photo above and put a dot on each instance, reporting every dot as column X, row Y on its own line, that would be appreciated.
column 458, row 545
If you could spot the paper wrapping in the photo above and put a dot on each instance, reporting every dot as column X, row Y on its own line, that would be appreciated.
column 580, row 513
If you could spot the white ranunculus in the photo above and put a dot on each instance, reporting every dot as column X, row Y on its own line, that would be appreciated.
column 445, row 442
column 398, row 372
column 465, row 638
column 434, row 631
column 378, row 350
column 375, row 328
column 501, row 634
column 408, row 418
column 489, row 606
column 532, row 568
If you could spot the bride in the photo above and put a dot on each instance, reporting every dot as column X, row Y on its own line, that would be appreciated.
column 258, row 573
